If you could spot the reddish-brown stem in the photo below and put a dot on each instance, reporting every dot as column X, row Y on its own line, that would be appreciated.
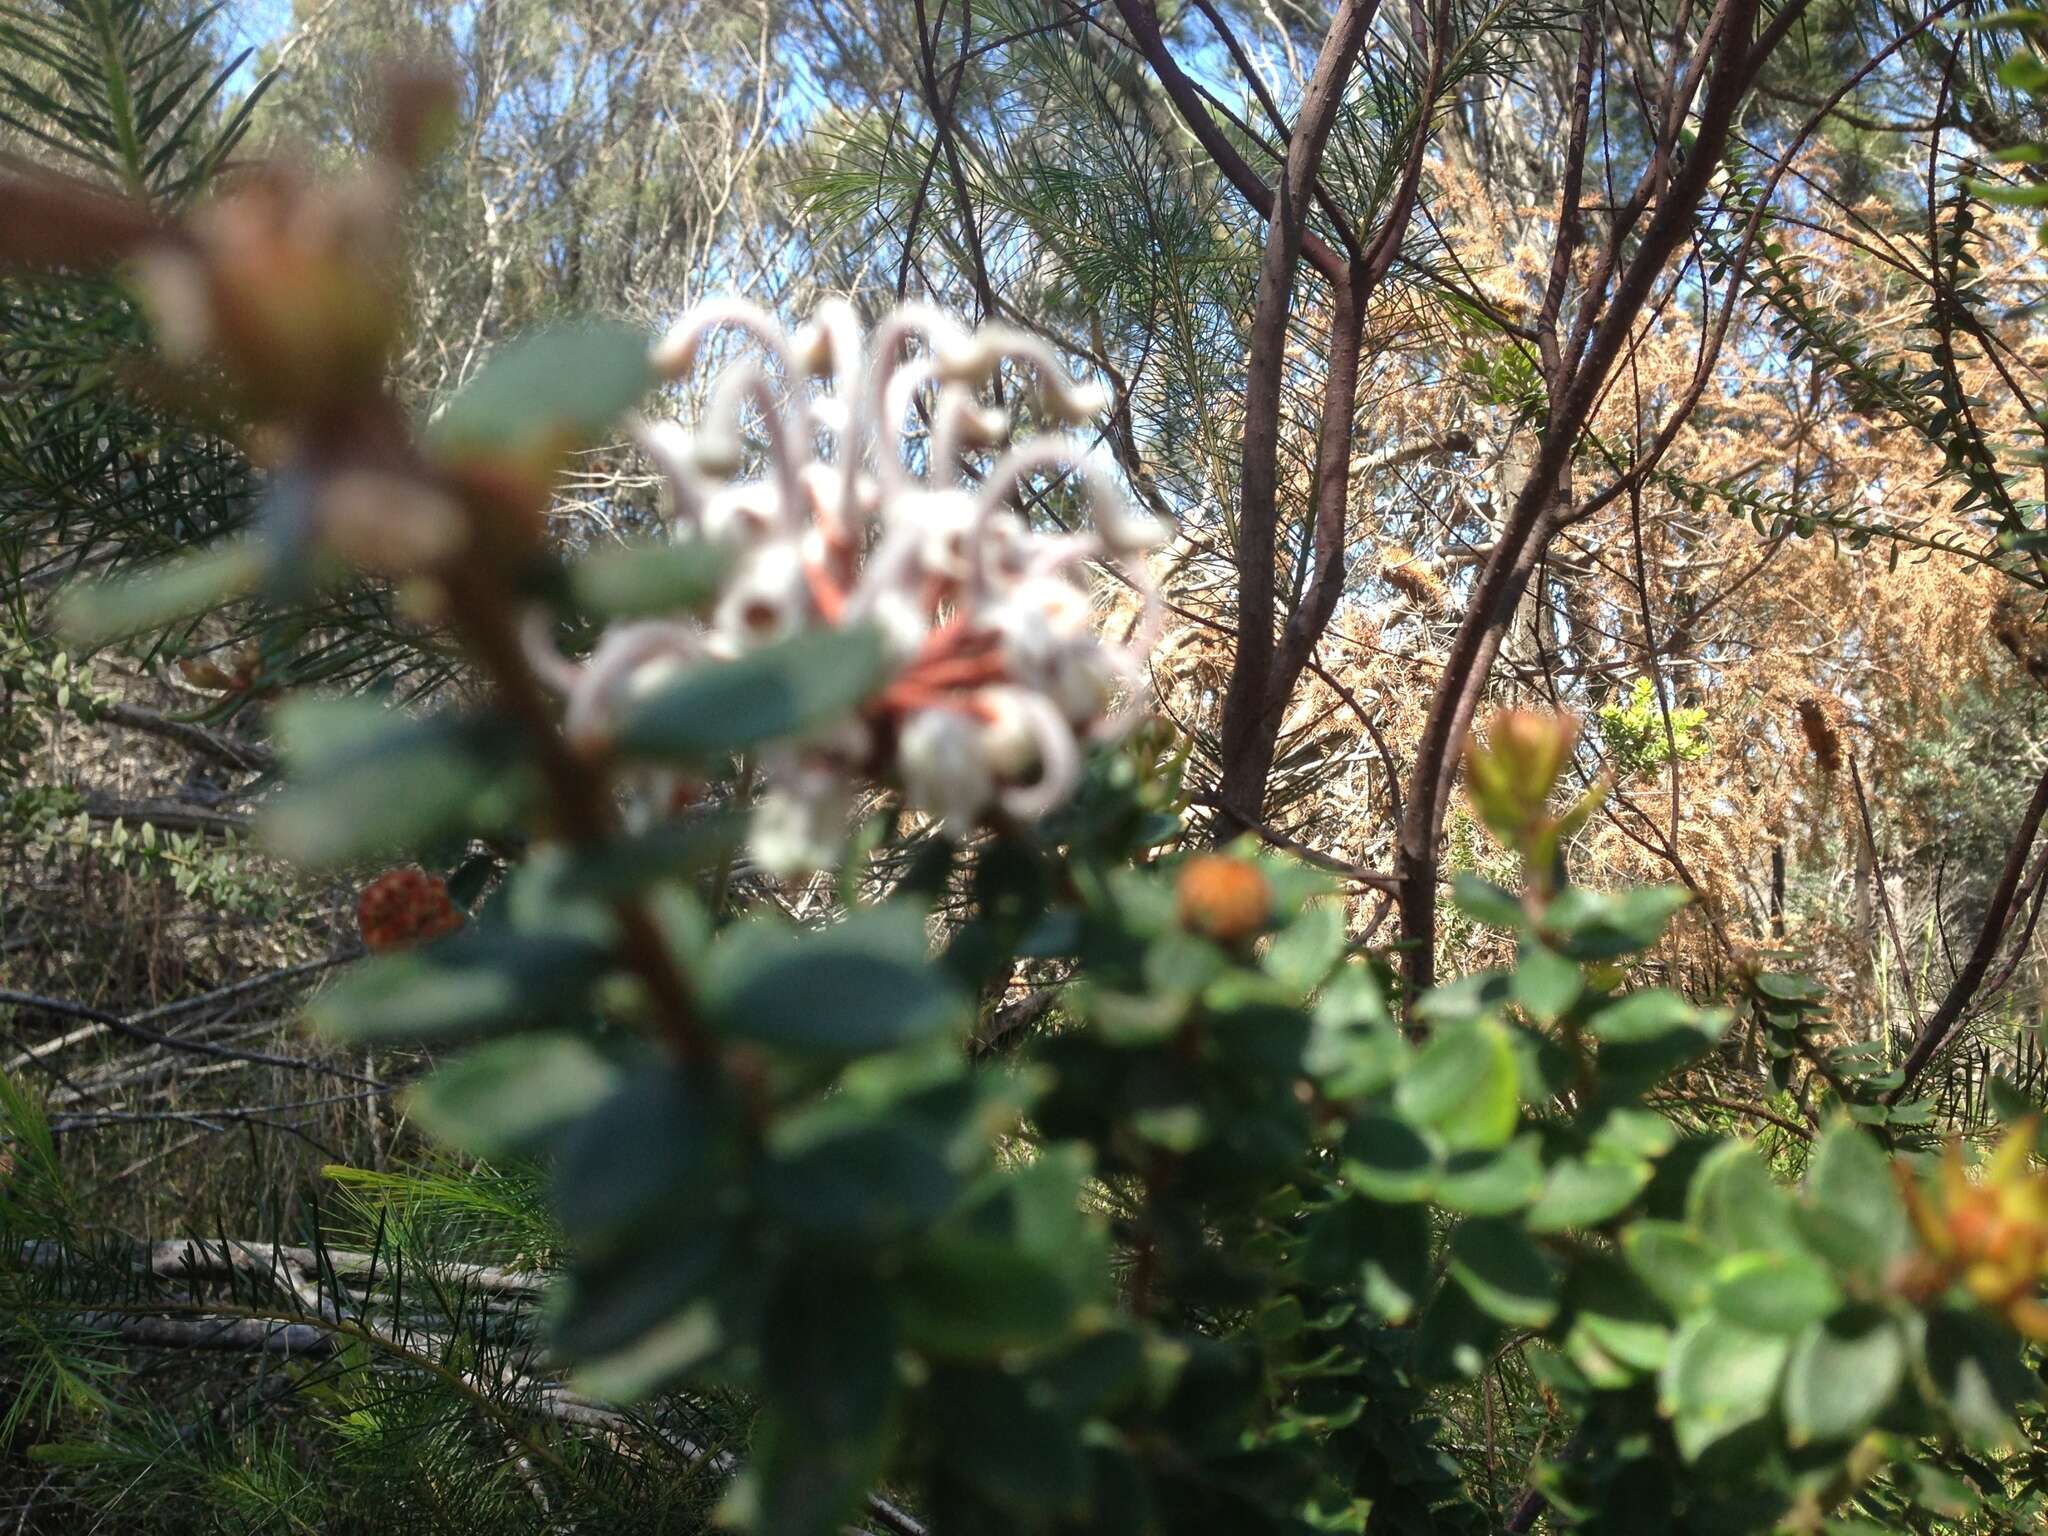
column 1249, row 699
column 480, row 609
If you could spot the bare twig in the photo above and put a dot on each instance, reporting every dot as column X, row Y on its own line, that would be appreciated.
column 135, row 1030
column 249, row 756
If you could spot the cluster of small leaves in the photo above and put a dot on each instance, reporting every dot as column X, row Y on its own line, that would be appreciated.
column 41, row 684
column 196, row 866
column 31, row 680
column 1634, row 732
column 2023, row 72
column 1790, row 1016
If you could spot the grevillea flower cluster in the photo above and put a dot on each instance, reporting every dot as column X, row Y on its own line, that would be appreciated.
column 885, row 495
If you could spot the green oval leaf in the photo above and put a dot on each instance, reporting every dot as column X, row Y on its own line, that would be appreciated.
column 546, row 393
column 93, row 613
column 1546, row 983
column 1385, row 1159
column 1583, row 1192
column 1493, row 1183
column 961, row 1296
column 1774, row 1292
column 1718, row 1379
column 367, row 780
column 480, row 982
column 1505, row 1273
column 779, row 691
column 1853, row 1215
column 867, row 1184
column 1673, row 1262
column 861, row 986
column 646, row 579
column 1842, row 1374
column 1733, row 1201
column 508, row 1095
column 1465, row 1085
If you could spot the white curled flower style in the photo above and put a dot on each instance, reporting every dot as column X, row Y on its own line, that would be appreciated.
column 1000, row 671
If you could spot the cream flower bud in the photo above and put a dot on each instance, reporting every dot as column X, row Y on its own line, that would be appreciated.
column 741, row 514
column 1127, row 532
column 811, row 349
column 717, row 451
column 946, row 772
column 1055, row 757
column 995, row 673
column 768, row 598
column 1082, row 403
column 903, row 620
column 1081, row 682
column 829, row 413
column 800, row 823
column 665, row 442
column 648, row 678
column 1006, row 546
column 825, row 495
column 965, row 358
column 172, row 285
column 1009, row 739
column 867, row 497
column 945, row 522
column 1037, row 621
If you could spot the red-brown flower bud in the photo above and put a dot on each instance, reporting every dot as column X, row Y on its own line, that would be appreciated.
column 405, row 906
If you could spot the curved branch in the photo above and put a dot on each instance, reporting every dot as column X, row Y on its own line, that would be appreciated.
column 1186, row 96
column 1989, row 937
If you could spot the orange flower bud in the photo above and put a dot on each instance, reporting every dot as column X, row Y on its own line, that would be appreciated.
column 245, row 666
column 1414, row 578
column 1223, row 898
column 1989, row 1236
column 203, row 673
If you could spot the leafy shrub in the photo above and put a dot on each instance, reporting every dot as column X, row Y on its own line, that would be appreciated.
column 1216, row 1249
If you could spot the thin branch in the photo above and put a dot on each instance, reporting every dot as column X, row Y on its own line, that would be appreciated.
column 1249, row 698
column 248, row 756
column 1531, row 519
column 1143, row 21
column 2003, row 895
column 1378, row 879
column 127, row 1026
